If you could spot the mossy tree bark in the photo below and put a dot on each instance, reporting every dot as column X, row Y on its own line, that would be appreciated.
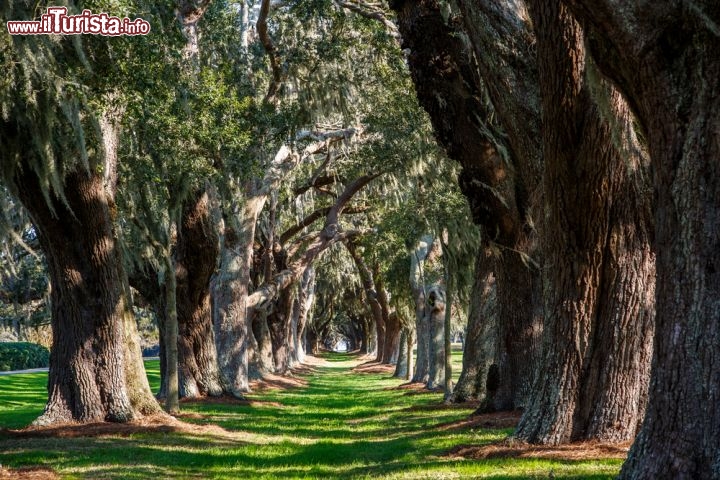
column 196, row 256
column 231, row 316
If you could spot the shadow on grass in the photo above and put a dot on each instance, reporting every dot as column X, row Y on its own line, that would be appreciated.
column 340, row 425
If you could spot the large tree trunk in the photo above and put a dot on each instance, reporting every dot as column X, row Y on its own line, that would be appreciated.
column 371, row 297
column 401, row 367
column 170, row 331
column 138, row 386
column 196, row 257
column 422, row 331
column 518, row 332
column 422, row 328
column 450, row 90
column 260, row 360
column 500, row 165
column 480, row 340
column 278, row 321
column 599, row 270
column 664, row 57
column 87, row 380
column 230, row 293
column 392, row 339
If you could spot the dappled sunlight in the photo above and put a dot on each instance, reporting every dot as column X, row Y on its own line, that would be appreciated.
column 334, row 424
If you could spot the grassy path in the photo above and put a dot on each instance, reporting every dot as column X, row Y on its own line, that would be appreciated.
column 340, row 425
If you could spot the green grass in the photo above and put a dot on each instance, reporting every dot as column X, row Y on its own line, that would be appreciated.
column 342, row 425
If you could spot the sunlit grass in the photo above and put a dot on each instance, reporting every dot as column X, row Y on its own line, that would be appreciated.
column 342, row 425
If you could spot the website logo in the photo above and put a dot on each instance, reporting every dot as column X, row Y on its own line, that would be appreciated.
column 57, row 22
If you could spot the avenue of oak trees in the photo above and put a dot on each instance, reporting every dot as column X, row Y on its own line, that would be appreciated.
column 269, row 190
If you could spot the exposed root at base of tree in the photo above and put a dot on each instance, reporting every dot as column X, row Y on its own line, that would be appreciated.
column 485, row 420
column 277, row 382
column 229, row 400
column 409, row 386
column 415, row 388
column 442, row 406
column 513, row 449
column 374, row 367
column 160, row 423
column 28, row 473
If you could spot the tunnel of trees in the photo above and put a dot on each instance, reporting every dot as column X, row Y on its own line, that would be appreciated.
column 253, row 182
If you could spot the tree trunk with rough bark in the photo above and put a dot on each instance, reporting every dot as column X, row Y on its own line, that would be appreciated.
column 500, row 160
column 196, row 256
column 410, row 354
column 87, row 380
column 599, row 268
column 139, row 391
column 261, row 360
column 480, row 340
column 447, row 342
column 372, row 299
column 278, row 321
column 664, row 57
column 170, row 332
column 306, row 299
column 518, row 332
column 231, row 316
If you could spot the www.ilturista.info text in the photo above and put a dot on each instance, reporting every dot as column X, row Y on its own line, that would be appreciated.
column 57, row 22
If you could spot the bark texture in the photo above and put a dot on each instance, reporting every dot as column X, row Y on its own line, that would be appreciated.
column 87, row 381
column 518, row 331
column 599, row 269
column 196, row 257
column 435, row 320
column 305, row 302
column 494, row 145
column 401, row 367
column 279, row 322
column 664, row 58
column 231, row 316
column 371, row 296
column 391, row 342
column 480, row 339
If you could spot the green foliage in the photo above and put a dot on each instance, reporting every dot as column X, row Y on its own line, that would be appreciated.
column 23, row 355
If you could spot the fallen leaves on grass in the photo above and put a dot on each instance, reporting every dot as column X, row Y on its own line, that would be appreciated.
column 27, row 473
column 277, row 382
column 374, row 367
column 514, row 449
column 160, row 423
column 443, row 406
column 485, row 420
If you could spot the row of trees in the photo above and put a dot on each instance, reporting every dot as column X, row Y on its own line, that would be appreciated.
column 201, row 172
column 587, row 133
